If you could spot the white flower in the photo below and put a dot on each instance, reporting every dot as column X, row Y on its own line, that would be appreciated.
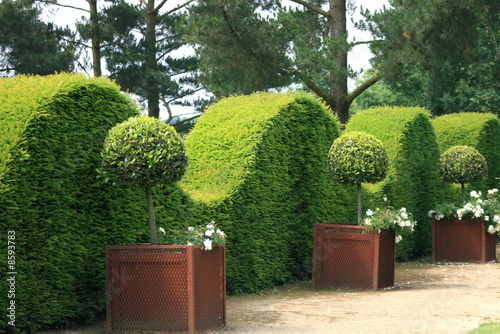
column 211, row 226
column 398, row 238
column 431, row 213
column 475, row 194
column 221, row 234
column 209, row 233
column 491, row 229
column 368, row 221
column 404, row 215
column 369, row 212
column 190, row 228
column 208, row 244
column 492, row 191
column 161, row 230
column 189, row 244
column 496, row 218
column 486, row 218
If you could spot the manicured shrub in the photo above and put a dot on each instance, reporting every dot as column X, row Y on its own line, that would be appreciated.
column 143, row 151
column 51, row 134
column 258, row 167
column 412, row 179
column 356, row 158
column 462, row 164
column 478, row 130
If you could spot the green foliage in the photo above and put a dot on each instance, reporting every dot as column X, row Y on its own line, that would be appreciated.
column 412, row 179
column 487, row 328
column 357, row 157
column 143, row 151
column 478, row 130
column 462, row 164
column 140, row 44
column 52, row 130
column 29, row 45
column 258, row 167
column 441, row 54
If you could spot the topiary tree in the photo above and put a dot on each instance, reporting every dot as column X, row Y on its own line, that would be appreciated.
column 462, row 164
column 144, row 152
column 358, row 157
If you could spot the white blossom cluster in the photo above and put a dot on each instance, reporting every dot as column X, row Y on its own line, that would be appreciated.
column 401, row 221
column 477, row 207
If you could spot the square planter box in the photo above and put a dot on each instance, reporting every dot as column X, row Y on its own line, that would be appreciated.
column 163, row 288
column 353, row 257
column 465, row 240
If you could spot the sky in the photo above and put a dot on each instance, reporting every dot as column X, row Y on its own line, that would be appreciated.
column 358, row 58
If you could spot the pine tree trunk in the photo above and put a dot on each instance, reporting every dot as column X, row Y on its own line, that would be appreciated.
column 153, row 94
column 96, row 39
column 338, row 79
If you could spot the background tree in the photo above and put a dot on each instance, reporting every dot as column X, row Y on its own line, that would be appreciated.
column 443, row 55
column 142, row 49
column 30, row 46
column 246, row 46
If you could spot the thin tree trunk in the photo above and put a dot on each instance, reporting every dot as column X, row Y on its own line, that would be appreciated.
column 151, row 214
column 338, row 79
column 359, row 204
column 153, row 94
column 463, row 192
column 96, row 39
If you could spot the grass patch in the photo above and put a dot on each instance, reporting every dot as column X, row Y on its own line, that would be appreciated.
column 487, row 328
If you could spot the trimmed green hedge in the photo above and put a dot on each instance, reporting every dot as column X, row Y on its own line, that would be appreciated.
column 258, row 167
column 479, row 130
column 412, row 178
column 51, row 134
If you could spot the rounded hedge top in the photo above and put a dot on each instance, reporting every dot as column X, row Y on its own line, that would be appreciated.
column 462, row 164
column 143, row 151
column 358, row 157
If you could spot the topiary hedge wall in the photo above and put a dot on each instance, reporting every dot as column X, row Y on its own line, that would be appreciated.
column 479, row 130
column 258, row 168
column 51, row 134
column 412, row 179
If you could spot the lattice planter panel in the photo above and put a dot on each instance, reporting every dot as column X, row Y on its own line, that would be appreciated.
column 466, row 240
column 166, row 289
column 353, row 257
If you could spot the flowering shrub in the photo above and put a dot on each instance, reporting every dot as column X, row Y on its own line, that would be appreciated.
column 477, row 207
column 386, row 218
column 205, row 235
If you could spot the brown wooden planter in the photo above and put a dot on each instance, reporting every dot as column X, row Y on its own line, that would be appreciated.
column 466, row 240
column 353, row 257
column 163, row 288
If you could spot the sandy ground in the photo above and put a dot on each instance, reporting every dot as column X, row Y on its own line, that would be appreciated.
column 427, row 298
column 430, row 298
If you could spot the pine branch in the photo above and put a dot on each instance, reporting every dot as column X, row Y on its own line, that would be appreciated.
column 312, row 7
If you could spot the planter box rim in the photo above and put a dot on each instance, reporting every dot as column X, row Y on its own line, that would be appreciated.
column 142, row 246
column 344, row 225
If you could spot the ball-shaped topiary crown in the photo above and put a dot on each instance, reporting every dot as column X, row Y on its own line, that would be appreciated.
column 357, row 157
column 143, row 151
column 462, row 164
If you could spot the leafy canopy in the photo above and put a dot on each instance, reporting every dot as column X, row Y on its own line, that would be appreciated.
column 358, row 157
column 143, row 151
column 462, row 164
